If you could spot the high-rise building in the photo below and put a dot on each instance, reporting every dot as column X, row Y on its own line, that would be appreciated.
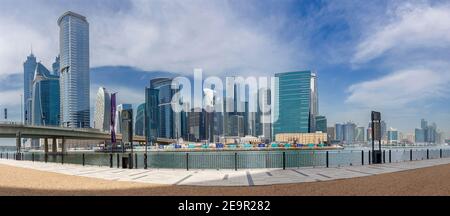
column 29, row 67
column 264, row 115
column 339, row 135
column 359, row 135
column 163, row 121
column 74, row 70
column 392, row 136
column 234, row 119
column 428, row 133
column 152, row 114
column 45, row 98
column 321, row 124
column 209, row 97
column 420, row 136
column 102, row 116
column 296, row 104
column 331, row 134
column 349, row 133
column 383, row 130
column 140, row 119
column 197, row 125
column 56, row 67
column 119, row 118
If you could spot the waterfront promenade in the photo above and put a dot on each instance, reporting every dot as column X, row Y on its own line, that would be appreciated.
column 428, row 177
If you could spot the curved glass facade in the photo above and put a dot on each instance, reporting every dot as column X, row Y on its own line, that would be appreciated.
column 74, row 70
column 45, row 102
column 102, row 116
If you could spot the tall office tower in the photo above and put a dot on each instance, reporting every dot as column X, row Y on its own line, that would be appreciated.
column 392, row 136
column 419, row 136
column 314, row 110
column 55, row 66
column 331, row 134
column 102, row 116
column 321, row 124
column 74, row 69
column 423, row 124
column 339, row 135
column 359, row 135
column 383, row 130
column 431, row 133
column 29, row 67
column 45, row 94
column 151, row 115
column 197, row 125
column 163, row 121
column 234, row 124
column 349, row 133
column 264, row 118
column 295, row 102
column 184, row 121
column 139, row 122
column 209, row 104
column 119, row 110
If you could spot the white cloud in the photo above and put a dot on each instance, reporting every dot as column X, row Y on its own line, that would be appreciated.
column 173, row 35
column 16, row 41
column 412, row 42
column 412, row 26
column 10, row 98
column 399, row 88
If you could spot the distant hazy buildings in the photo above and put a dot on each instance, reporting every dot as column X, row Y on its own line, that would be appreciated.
column 392, row 136
column 102, row 115
column 360, row 135
column 74, row 69
column 428, row 134
column 45, row 98
column 29, row 67
column 296, row 102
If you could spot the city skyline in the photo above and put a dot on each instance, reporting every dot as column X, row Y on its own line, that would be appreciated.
column 333, row 98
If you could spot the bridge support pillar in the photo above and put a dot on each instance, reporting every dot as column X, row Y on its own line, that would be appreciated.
column 18, row 141
column 54, row 146
column 63, row 145
column 46, row 145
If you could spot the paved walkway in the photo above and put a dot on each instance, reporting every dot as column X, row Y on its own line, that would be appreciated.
column 225, row 177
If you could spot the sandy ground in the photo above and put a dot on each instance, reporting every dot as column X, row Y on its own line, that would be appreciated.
column 425, row 181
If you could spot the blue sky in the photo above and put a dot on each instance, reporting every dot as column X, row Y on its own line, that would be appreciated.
column 391, row 56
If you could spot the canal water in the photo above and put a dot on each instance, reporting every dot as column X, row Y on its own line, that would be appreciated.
column 249, row 159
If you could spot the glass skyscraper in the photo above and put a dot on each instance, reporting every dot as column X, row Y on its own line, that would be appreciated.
column 74, row 70
column 102, row 115
column 296, row 103
column 162, row 120
column 45, row 98
column 321, row 124
column 119, row 118
column 140, row 118
column 29, row 67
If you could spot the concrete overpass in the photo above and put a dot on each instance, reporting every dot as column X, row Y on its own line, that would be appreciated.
column 19, row 131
